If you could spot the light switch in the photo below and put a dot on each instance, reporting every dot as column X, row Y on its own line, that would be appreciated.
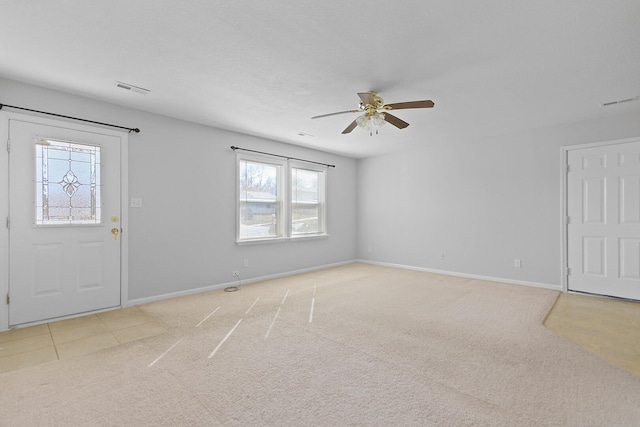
column 136, row 202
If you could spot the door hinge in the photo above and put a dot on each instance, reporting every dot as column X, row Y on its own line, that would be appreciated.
column 568, row 168
column 8, row 223
column 8, row 145
column 568, row 220
column 8, row 299
column 568, row 270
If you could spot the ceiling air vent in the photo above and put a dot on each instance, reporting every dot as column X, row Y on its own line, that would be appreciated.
column 620, row 101
column 132, row 88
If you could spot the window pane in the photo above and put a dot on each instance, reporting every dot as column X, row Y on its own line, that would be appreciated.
column 304, row 185
column 67, row 183
column 306, row 201
column 304, row 219
column 259, row 200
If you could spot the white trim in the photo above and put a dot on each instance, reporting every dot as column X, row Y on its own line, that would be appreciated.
column 281, row 190
column 71, row 316
column 301, row 237
column 285, row 200
column 322, row 214
column 564, row 238
column 297, row 238
column 261, row 241
column 465, row 275
column 5, row 117
column 147, row 300
column 124, row 219
column 4, row 213
column 601, row 143
column 564, row 247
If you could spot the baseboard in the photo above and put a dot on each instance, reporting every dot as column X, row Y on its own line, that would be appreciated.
column 465, row 275
column 199, row 290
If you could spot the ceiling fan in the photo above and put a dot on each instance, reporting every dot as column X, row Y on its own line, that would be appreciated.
column 376, row 112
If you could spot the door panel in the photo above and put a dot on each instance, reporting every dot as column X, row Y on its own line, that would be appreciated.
column 90, row 265
column 47, row 280
column 603, row 187
column 630, row 259
column 594, row 200
column 64, row 191
column 629, row 202
column 594, row 256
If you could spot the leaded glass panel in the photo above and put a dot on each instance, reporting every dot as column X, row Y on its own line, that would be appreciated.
column 67, row 183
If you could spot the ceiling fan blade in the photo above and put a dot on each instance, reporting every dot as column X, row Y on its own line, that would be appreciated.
column 411, row 104
column 351, row 127
column 368, row 98
column 400, row 124
column 335, row 114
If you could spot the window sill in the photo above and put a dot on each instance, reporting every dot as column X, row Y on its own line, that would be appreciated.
column 261, row 241
column 308, row 237
column 281, row 239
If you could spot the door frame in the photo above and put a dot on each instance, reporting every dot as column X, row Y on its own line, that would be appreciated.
column 565, row 200
column 4, row 203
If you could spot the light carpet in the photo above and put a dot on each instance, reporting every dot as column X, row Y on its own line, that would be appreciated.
column 355, row 345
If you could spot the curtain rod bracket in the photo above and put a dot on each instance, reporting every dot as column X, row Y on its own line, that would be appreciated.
column 234, row 148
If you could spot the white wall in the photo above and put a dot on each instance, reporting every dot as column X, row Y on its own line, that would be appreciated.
column 483, row 202
column 183, row 237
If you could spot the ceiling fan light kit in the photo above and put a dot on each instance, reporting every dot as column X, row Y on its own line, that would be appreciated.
column 375, row 112
column 371, row 121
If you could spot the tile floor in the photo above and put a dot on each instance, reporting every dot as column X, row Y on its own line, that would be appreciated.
column 607, row 327
column 23, row 347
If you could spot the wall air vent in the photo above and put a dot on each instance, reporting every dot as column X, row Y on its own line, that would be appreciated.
column 620, row 101
column 132, row 88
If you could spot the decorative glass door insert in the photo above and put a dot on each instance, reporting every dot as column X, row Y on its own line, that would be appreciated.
column 67, row 183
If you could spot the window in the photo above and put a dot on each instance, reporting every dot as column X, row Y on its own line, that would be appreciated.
column 67, row 183
column 260, row 200
column 307, row 201
column 279, row 200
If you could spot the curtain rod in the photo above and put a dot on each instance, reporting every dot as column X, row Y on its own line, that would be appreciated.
column 284, row 157
column 136, row 130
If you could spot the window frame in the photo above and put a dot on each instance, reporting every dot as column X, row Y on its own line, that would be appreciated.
column 280, row 198
column 41, row 164
column 284, row 189
column 321, row 203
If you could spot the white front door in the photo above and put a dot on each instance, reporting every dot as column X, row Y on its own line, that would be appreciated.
column 64, row 220
column 603, row 187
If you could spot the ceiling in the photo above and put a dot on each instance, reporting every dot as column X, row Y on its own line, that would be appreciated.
column 265, row 68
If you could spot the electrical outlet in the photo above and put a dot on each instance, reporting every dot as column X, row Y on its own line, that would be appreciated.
column 235, row 273
column 517, row 263
column 441, row 255
column 246, row 263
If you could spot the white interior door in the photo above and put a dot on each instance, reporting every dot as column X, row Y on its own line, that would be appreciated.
column 603, row 187
column 64, row 213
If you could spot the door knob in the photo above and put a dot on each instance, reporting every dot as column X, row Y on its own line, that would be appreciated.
column 115, row 232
